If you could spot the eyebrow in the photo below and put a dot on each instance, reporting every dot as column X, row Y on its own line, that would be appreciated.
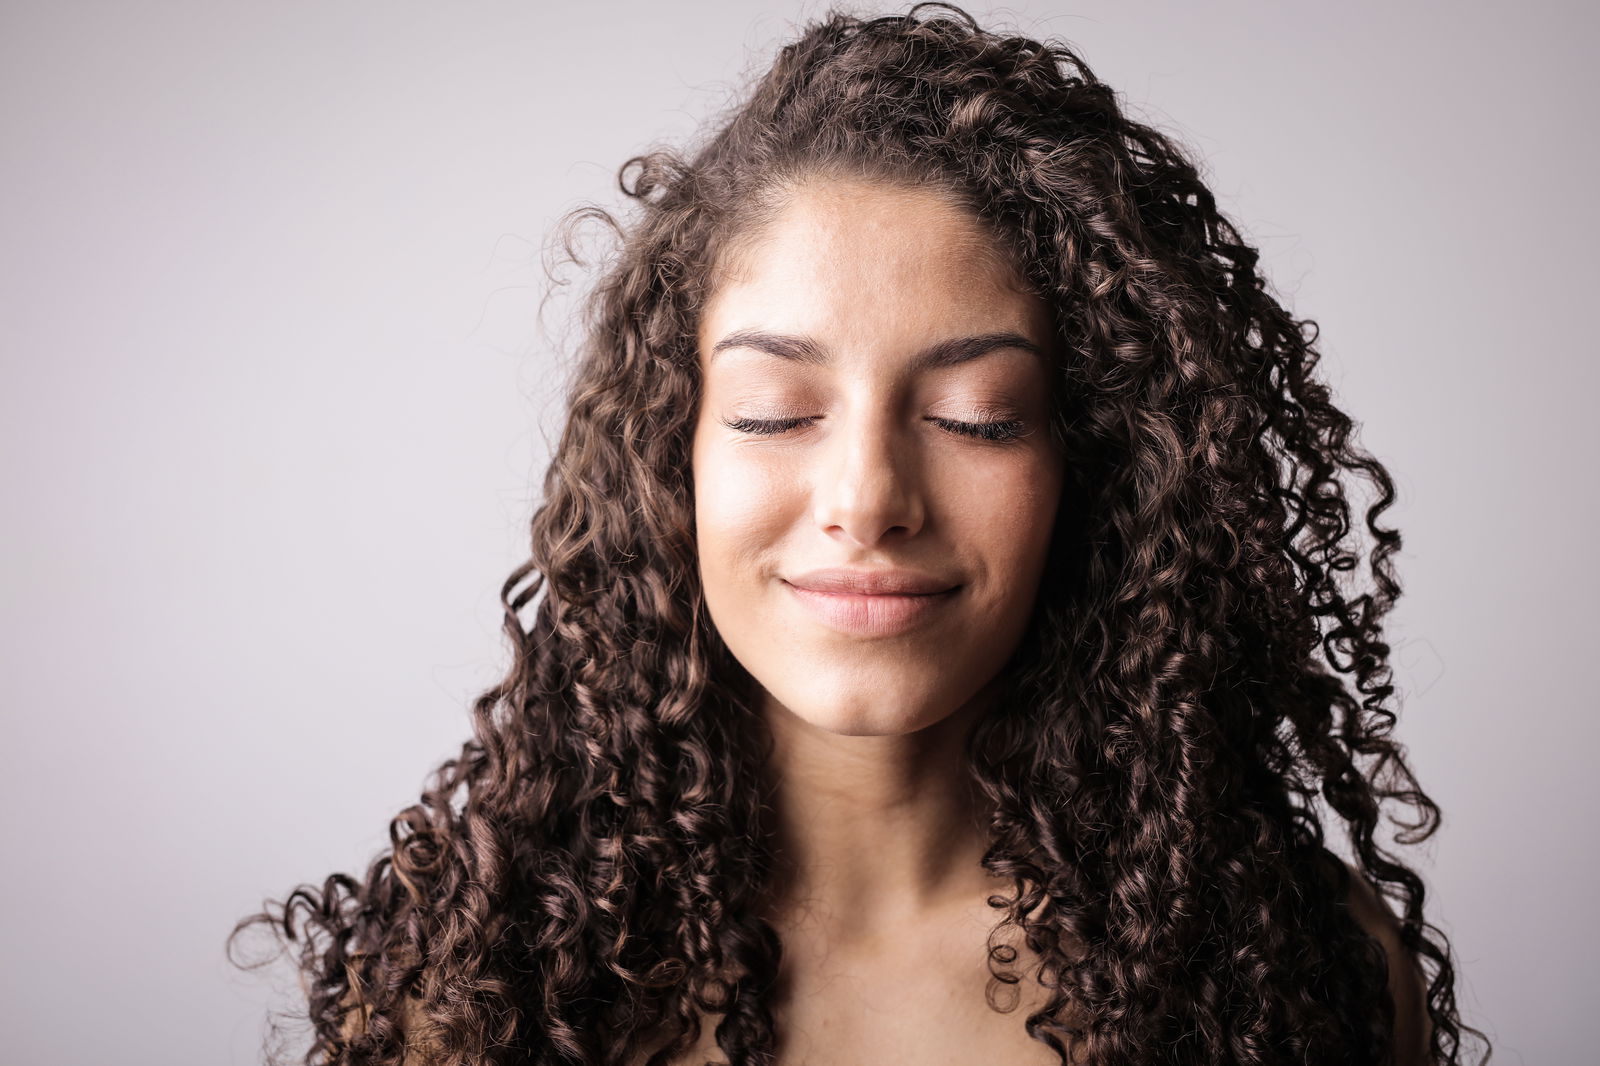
column 946, row 353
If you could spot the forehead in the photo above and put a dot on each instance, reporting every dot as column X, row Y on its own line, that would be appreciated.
column 862, row 261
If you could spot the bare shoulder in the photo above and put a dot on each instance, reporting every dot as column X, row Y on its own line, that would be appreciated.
column 1407, row 984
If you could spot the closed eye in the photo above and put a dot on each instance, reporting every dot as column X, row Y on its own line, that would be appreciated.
column 1002, row 431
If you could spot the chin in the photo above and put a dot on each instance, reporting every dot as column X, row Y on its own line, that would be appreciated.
column 869, row 714
column 867, row 725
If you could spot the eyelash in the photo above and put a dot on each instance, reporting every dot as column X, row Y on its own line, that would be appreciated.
column 1001, row 432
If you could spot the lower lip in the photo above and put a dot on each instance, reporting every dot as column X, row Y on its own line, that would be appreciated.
column 870, row 616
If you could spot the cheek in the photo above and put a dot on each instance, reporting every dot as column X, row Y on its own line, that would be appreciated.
column 1007, row 512
column 1004, row 523
column 740, row 503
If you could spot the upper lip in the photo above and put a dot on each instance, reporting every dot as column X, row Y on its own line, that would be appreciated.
column 871, row 582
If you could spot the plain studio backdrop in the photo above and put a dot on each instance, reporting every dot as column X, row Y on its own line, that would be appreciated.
column 277, row 400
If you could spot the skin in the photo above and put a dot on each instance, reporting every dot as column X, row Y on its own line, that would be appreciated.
column 880, row 834
column 868, row 728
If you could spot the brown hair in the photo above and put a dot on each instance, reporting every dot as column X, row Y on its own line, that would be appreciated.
column 1205, row 679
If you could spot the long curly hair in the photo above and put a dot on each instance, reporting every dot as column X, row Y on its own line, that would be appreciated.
column 1205, row 681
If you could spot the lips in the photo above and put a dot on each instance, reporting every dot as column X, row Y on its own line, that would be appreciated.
column 874, row 614
column 883, row 582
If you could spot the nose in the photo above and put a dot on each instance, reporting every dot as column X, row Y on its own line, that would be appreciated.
column 868, row 485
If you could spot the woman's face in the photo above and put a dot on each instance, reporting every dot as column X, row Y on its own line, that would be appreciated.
column 864, row 329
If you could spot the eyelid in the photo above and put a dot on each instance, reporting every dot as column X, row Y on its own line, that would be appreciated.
column 998, row 431
column 992, row 412
column 973, row 411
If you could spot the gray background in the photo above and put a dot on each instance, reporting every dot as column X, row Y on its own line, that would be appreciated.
column 277, row 400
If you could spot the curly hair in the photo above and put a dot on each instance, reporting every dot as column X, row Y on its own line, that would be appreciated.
column 1204, row 682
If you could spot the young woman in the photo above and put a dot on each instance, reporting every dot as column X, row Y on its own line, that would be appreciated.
column 950, row 647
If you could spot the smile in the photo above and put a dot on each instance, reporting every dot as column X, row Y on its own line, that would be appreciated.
column 871, row 616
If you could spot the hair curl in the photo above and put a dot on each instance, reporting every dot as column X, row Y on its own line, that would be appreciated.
column 584, row 883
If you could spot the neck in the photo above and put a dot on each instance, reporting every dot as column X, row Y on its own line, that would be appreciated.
column 876, row 831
